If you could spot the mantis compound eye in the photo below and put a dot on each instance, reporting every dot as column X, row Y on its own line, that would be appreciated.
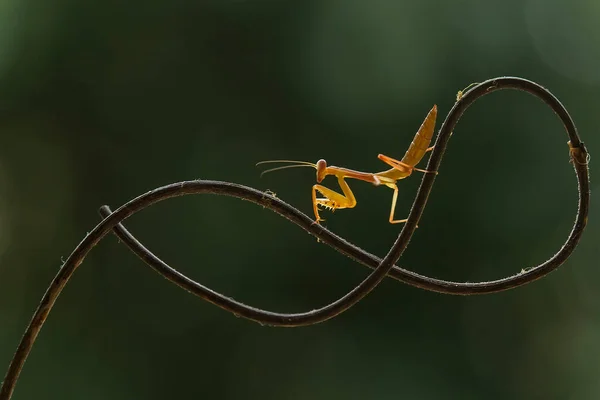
column 321, row 167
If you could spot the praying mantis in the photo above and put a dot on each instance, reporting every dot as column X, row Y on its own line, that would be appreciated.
column 333, row 200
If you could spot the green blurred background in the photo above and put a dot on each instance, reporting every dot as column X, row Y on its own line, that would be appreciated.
column 103, row 101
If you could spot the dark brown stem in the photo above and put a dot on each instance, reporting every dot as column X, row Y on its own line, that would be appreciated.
column 381, row 267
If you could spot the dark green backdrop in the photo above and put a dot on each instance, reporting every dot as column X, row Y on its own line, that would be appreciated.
column 102, row 101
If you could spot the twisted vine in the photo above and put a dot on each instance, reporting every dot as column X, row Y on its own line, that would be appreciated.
column 381, row 267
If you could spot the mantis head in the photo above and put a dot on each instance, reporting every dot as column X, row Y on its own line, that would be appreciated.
column 320, row 166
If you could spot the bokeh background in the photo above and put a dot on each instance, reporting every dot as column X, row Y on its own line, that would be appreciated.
column 103, row 101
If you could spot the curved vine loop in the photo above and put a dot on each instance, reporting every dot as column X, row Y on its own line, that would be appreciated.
column 579, row 157
column 112, row 221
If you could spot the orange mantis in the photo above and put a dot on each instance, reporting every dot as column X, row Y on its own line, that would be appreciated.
column 400, row 169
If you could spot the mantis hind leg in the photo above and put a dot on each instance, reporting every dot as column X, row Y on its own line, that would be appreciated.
column 399, row 165
column 332, row 199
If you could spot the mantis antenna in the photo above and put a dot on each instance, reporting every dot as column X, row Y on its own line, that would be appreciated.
column 296, row 165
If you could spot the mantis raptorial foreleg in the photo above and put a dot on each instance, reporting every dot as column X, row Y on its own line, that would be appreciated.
column 333, row 199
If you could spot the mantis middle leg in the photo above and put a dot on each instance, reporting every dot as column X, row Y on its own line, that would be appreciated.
column 332, row 199
column 394, row 199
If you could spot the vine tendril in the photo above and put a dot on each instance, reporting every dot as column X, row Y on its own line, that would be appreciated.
column 381, row 267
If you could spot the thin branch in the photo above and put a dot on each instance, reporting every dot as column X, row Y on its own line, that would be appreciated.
column 577, row 152
column 381, row 267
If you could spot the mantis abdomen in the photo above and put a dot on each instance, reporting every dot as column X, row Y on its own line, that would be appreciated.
column 420, row 143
